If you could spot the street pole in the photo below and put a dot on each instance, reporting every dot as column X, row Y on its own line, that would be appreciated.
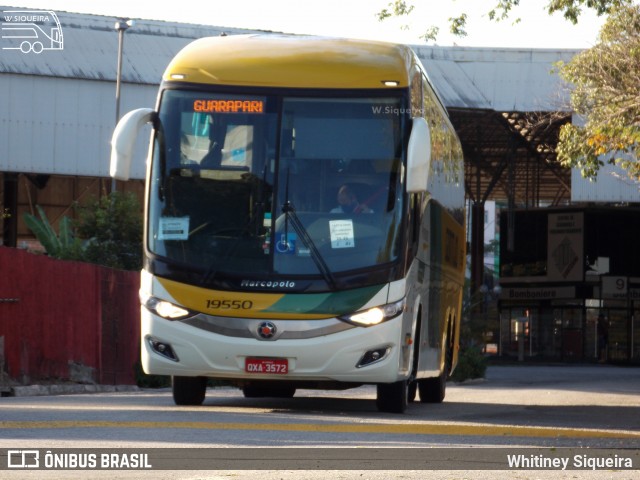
column 121, row 26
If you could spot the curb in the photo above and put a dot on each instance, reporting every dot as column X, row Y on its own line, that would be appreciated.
column 58, row 389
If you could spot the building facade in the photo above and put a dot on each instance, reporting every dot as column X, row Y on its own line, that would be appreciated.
column 570, row 284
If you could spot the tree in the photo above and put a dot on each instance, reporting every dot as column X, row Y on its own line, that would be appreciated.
column 605, row 93
column 570, row 9
column 605, row 82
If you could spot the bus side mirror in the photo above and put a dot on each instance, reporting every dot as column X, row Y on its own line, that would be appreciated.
column 418, row 156
column 124, row 140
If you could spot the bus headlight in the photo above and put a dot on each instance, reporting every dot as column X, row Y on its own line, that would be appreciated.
column 166, row 309
column 376, row 315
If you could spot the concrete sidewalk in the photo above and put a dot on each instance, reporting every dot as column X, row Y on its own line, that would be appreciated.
column 63, row 389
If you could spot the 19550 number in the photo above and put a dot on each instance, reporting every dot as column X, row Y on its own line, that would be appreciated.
column 220, row 304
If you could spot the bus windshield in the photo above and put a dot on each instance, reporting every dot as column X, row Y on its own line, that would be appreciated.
column 274, row 186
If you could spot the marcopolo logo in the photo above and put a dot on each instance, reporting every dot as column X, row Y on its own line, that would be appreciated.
column 31, row 31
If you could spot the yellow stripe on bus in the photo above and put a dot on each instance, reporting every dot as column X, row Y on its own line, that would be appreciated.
column 234, row 304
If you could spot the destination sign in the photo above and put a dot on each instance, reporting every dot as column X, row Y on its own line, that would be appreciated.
column 228, row 106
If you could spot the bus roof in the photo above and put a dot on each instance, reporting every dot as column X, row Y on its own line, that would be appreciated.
column 292, row 61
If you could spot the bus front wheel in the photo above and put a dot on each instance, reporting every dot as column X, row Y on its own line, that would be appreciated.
column 189, row 390
column 392, row 397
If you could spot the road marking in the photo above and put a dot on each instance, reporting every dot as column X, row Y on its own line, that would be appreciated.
column 379, row 428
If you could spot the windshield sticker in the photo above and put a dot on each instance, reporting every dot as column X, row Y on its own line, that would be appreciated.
column 341, row 234
column 286, row 244
column 173, row 228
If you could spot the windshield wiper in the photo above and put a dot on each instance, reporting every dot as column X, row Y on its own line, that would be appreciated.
column 290, row 216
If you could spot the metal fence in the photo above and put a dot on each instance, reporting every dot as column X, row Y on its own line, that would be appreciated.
column 67, row 321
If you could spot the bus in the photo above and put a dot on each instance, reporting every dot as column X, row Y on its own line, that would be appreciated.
column 304, row 220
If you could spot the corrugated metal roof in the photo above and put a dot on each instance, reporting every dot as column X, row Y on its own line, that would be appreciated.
column 453, row 85
column 499, row 79
column 482, row 78
column 612, row 185
column 91, row 47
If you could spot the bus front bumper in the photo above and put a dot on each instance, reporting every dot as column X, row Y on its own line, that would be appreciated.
column 350, row 354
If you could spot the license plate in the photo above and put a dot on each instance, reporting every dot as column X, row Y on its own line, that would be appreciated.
column 278, row 366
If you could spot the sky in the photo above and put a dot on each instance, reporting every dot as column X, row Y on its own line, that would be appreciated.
column 354, row 19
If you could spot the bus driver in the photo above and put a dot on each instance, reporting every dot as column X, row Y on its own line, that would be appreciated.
column 348, row 202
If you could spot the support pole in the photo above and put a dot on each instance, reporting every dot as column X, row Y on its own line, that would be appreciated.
column 10, row 213
column 477, row 246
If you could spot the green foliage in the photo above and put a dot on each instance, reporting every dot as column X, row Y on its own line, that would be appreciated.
column 112, row 230
column 43, row 231
column 457, row 25
column 108, row 232
column 63, row 245
column 502, row 10
column 570, row 9
column 431, row 34
column 605, row 85
column 471, row 364
column 398, row 8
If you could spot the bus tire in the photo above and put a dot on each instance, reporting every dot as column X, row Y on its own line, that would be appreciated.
column 433, row 390
column 188, row 390
column 392, row 397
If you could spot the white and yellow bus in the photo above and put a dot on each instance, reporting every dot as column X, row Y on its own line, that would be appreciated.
column 304, row 220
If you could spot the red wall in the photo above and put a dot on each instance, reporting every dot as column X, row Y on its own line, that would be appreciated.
column 54, row 313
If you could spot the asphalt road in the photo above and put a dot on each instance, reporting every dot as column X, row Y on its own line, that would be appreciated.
column 552, row 407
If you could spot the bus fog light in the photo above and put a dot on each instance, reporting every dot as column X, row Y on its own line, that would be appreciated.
column 373, row 356
column 162, row 348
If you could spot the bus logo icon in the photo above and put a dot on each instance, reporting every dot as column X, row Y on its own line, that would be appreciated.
column 23, row 458
column 31, row 31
